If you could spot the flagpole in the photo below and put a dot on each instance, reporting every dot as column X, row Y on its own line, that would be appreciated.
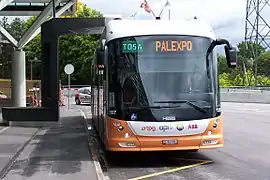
column 153, row 14
column 166, row 4
column 162, row 10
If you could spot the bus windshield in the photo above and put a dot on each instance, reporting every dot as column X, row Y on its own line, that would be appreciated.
column 163, row 76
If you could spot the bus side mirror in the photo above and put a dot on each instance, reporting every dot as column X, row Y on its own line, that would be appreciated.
column 231, row 56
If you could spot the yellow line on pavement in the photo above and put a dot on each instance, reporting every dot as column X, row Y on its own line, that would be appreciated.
column 171, row 170
column 185, row 159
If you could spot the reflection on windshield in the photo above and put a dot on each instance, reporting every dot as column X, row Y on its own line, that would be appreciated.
column 129, row 93
column 170, row 86
column 200, row 109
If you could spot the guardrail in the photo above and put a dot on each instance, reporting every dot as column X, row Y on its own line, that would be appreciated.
column 251, row 96
column 239, row 88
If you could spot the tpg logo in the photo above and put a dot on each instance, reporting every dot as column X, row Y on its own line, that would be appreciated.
column 164, row 128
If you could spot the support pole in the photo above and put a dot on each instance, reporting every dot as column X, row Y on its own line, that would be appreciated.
column 68, row 91
column 54, row 10
column 18, row 81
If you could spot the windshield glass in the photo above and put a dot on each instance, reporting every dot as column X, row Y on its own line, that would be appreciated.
column 162, row 76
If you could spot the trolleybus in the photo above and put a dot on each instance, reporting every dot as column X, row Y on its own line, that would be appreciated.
column 155, row 86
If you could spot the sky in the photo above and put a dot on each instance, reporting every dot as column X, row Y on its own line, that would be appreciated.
column 226, row 17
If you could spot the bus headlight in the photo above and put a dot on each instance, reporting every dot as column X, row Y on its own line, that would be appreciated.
column 210, row 142
column 120, row 128
column 209, row 133
column 127, row 144
column 215, row 125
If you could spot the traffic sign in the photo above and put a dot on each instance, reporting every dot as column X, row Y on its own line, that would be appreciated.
column 69, row 69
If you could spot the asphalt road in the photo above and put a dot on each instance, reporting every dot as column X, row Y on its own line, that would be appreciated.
column 245, row 154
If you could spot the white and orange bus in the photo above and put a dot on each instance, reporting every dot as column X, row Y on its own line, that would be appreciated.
column 155, row 86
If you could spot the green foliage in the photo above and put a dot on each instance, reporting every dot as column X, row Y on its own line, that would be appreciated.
column 243, row 75
column 16, row 28
column 79, row 50
column 224, row 80
column 249, row 49
column 29, row 22
column 264, row 64
column 83, row 11
column 75, row 49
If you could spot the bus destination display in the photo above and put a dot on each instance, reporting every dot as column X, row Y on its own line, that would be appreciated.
column 159, row 45
column 173, row 46
column 132, row 46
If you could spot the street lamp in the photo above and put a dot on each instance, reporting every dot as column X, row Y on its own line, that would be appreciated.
column 31, row 66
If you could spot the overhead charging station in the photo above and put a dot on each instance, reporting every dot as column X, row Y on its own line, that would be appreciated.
column 50, row 33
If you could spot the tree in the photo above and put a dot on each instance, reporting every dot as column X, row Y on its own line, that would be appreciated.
column 79, row 49
column 16, row 28
column 222, row 65
column 83, row 11
column 75, row 49
column 264, row 64
column 33, row 50
column 4, row 22
column 4, row 64
column 249, row 49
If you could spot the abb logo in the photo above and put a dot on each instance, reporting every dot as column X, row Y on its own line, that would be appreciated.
column 149, row 128
column 193, row 126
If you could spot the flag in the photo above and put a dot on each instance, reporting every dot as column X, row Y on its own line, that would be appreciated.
column 146, row 7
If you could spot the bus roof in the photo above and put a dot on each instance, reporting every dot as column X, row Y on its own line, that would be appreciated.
column 126, row 28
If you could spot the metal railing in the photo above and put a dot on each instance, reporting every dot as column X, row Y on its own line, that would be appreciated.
column 256, row 90
column 228, row 94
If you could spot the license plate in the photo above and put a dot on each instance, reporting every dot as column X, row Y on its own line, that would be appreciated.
column 169, row 142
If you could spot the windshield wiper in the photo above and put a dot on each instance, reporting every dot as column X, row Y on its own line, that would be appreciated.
column 198, row 108
column 153, row 107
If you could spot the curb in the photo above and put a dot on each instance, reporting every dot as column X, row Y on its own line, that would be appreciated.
column 100, row 175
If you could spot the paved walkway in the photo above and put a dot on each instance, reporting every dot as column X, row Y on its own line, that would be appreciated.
column 53, row 153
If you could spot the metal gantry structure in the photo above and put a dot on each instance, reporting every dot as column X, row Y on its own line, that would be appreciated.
column 257, row 29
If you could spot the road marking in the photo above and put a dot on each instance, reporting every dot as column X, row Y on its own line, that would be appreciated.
column 246, row 111
column 2, row 130
column 186, row 159
column 171, row 170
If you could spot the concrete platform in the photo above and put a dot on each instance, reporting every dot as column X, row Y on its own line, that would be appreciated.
column 12, row 142
column 57, row 152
